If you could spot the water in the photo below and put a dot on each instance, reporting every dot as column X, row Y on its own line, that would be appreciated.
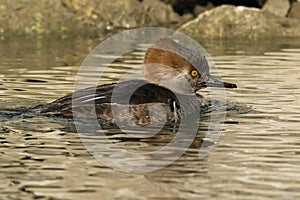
column 256, row 157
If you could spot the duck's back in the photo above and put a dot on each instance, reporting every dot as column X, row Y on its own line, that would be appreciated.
column 138, row 96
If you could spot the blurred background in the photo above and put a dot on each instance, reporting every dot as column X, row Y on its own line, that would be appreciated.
column 93, row 18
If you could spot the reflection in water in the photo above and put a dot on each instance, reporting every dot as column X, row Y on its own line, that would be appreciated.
column 256, row 157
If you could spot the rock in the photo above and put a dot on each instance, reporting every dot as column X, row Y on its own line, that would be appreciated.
column 170, row 2
column 107, row 15
column 133, row 13
column 187, row 17
column 160, row 13
column 198, row 9
column 83, row 17
column 277, row 7
column 230, row 22
column 295, row 10
column 46, row 17
column 120, row 14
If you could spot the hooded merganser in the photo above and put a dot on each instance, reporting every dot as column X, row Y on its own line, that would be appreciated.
column 174, row 74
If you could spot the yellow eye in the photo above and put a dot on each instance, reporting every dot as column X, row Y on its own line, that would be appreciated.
column 194, row 73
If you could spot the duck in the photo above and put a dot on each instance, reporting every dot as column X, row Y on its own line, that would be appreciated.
column 173, row 77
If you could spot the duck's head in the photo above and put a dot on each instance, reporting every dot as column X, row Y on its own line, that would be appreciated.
column 178, row 68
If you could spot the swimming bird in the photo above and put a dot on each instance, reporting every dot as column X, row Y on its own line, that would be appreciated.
column 174, row 74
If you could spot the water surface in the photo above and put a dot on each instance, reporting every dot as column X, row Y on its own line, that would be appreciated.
column 256, row 157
